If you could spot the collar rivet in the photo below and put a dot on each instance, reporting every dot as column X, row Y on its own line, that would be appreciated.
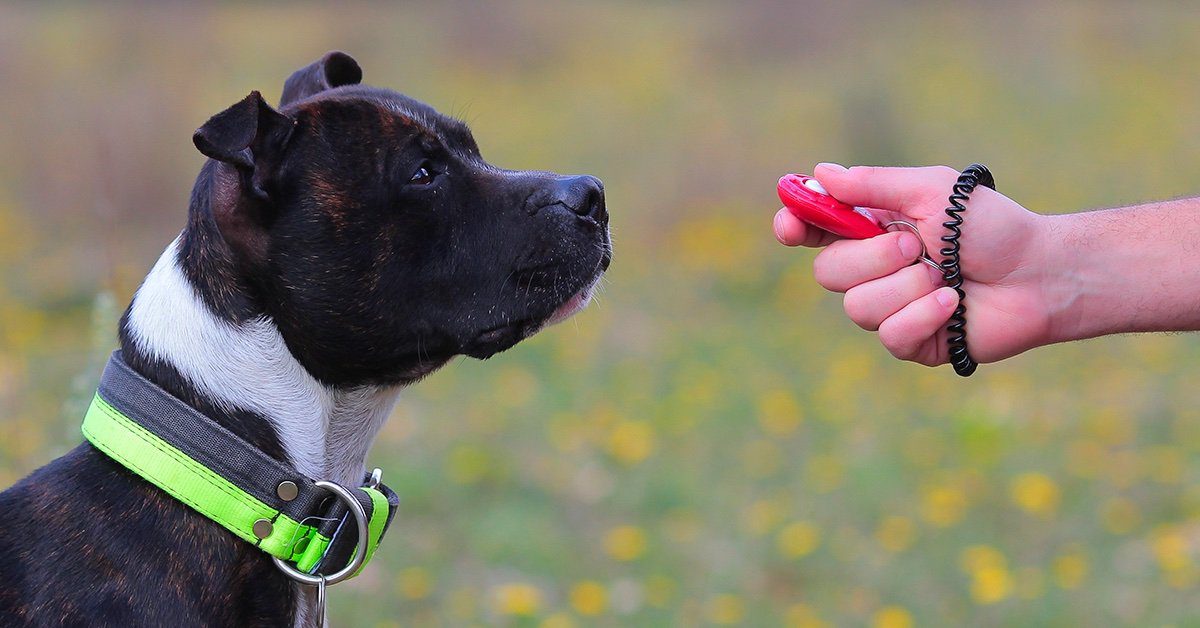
column 287, row 491
column 263, row 528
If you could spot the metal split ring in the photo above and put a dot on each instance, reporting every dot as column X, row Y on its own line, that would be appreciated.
column 924, row 257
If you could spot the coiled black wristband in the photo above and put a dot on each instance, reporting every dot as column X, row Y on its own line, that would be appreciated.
column 974, row 175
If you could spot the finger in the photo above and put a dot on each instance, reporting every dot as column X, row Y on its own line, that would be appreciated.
column 911, row 334
column 847, row 263
column 869, row 304
column 896, row 189
column 792, row 231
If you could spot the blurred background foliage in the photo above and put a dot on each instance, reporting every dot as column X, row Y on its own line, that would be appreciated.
column 712, row 442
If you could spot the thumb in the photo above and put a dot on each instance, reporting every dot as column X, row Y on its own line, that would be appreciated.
column 895, row 189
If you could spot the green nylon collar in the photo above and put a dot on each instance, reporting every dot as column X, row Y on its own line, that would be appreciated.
column 301, row 530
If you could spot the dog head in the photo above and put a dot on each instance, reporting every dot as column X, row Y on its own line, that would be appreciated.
column 370, row 229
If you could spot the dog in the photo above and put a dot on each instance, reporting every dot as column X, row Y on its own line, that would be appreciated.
column 336, row 249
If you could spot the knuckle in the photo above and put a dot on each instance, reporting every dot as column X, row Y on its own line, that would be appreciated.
column 862, row 173
column 943, row 176
column 890, row 293
column 935, row 183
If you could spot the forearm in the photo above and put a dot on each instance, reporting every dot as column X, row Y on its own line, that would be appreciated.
column 1123, row 270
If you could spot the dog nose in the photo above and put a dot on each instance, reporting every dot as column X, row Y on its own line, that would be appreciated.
column 583, row 195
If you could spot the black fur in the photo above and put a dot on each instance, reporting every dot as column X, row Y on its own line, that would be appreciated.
column 310, row 215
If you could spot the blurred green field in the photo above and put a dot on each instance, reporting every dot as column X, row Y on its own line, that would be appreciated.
column 712, row 442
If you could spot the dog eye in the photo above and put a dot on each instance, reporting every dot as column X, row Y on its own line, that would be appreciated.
column 423, row 176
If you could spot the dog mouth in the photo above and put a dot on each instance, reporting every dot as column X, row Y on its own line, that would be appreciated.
column 573, row 305
column 502, row 337
column 579, row 301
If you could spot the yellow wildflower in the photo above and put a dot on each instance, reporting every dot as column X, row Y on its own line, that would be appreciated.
column 631, row 441
column 779, row 413
column 589, row 598
column 1070, row 569
column 798, row 539
column 659, row 590
column 990, row 585
column 414, row 583
column 892, row 617
column 517, row 598
column 625, row 543
column 1184, row 578
column 1172, row 549
column 1035, row 493
column 943, row 505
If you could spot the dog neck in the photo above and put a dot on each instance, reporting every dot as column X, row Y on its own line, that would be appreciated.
column 245, row 370
column 195, row 329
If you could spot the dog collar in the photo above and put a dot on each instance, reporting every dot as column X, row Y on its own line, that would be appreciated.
column 313, row 529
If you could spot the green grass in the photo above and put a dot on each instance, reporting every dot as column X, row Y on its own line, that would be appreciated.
column 711, row 442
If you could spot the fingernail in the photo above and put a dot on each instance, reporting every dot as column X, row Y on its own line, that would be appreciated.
column 777, row 226
column 946, row 296
column 910, row 246
column 825, row 165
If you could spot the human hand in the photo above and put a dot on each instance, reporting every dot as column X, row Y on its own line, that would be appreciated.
column 1004, row 264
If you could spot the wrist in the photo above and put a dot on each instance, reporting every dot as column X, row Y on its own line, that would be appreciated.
column 1068, row 290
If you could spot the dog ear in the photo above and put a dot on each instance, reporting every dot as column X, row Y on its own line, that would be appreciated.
column 333, row 70
column 250, row 136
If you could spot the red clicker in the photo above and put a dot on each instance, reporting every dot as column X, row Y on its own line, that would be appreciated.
column 807, row 200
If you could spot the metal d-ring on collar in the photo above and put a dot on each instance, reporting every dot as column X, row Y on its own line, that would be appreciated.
column 924, row 257
column 360, row 522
